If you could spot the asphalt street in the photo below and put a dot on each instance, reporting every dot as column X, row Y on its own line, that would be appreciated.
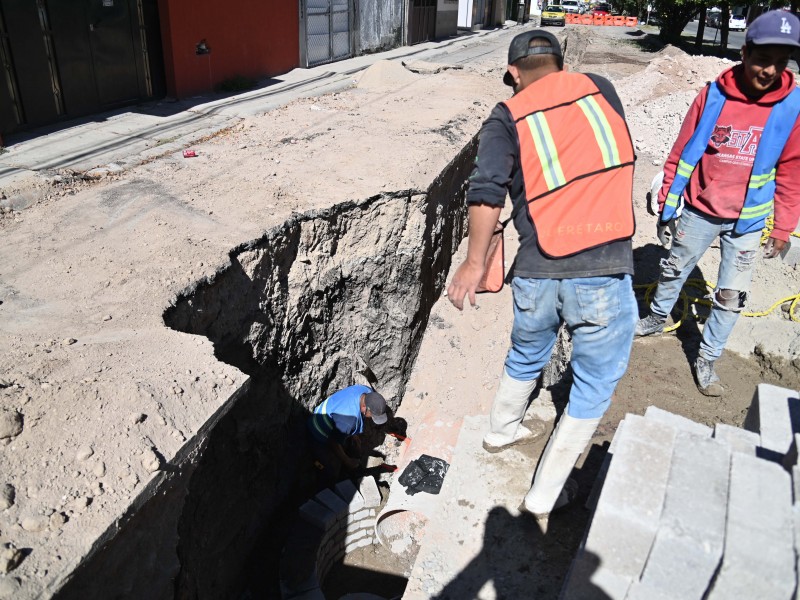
column 735, row 39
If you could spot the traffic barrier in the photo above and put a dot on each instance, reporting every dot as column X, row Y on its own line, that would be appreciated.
column 586, row 19
column 619, row 21
column 632, row 22
column 570, row 18
column 598, row 20
column 608, row 20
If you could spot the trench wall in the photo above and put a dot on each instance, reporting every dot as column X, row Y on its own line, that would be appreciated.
column 298, row 310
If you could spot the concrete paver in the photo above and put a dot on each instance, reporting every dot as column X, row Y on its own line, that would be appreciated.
column 775, row 415
column 740, row 440
column 690, row 539
column 627, row 515
column 759, row 559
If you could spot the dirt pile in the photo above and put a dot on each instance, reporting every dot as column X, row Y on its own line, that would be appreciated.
column 656, row 100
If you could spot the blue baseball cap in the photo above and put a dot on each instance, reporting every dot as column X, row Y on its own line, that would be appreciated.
column 774, row 27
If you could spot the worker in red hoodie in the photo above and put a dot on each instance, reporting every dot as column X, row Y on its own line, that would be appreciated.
column 735, row 162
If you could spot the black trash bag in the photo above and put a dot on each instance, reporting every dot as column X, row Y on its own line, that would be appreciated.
column 425, row 474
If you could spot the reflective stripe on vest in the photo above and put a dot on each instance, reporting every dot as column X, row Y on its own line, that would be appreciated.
column 321, row 422
column 546, row 149
column 758, row 203
column 577, row 159
column 603, row 133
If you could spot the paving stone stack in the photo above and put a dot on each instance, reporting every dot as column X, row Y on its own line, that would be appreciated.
column 335, row 522
column 684, row 511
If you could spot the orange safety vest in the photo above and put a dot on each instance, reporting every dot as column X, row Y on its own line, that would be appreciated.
column 577, row 162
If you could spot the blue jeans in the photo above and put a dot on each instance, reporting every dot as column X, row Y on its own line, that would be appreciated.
column 600, row 314
column 696, row 232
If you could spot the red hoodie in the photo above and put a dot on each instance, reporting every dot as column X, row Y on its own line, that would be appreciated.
column 719, row 183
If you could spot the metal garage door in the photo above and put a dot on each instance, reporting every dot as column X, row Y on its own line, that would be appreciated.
column 327, row 31
column 67, row 59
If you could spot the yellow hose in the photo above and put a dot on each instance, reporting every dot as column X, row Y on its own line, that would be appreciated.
column 709, row 287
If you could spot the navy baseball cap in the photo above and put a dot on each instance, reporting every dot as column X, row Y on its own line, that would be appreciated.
column 774, row 27
column 520, row 47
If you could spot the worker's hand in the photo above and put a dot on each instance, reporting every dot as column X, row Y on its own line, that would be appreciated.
column 773, row 247
column 464, row 283
column 665, row 232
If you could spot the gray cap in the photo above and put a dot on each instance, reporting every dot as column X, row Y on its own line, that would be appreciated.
column 377, row 407
column 777, row 27
column 520, row 47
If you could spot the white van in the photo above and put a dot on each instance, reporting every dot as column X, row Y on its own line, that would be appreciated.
column 572, row 7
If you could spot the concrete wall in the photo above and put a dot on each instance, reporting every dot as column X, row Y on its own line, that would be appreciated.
column 247, row 38
column 379, row 25
column 446, row 18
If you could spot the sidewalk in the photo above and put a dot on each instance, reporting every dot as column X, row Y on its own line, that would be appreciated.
column 118, row 140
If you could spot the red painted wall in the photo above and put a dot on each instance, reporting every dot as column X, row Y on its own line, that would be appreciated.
column 252, row 38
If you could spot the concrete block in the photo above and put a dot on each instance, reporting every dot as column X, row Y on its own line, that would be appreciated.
column 588, row 580
column 740, row 440
column 299, row 556
column 630, row 504
column 775, row 414
column 791, row 458
column 348, row 492
column 360, row 516
column 642, row 591
column 689, row 542
column 759, row 560
column 367, row 525
column 597, row 486
column 315, row 513
column 329, row 499
column 370, row 492
column 677, row 421
column 334, row 535
column 356, row 535
column 358, row 544
column 613, row 446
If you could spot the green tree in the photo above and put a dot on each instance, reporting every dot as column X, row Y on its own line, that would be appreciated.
column 674, row 15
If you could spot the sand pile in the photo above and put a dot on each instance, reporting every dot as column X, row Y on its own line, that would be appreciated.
column 657, row 99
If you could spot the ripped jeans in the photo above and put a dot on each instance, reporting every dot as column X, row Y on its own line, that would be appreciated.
column 696, row 232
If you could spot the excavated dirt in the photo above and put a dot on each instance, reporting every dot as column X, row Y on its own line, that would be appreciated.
column 108, row 396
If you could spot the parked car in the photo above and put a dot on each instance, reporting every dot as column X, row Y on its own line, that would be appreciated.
column 572, row 7
column 737, row 23
column 601, row 9
column 553, row 14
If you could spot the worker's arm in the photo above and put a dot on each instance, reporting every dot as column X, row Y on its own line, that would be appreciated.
column 687, row 129
column 338, row 450
column 486, row 195
column 482, row 222
column 787, row 195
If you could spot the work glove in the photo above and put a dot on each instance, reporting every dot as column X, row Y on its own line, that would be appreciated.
column 665, row 232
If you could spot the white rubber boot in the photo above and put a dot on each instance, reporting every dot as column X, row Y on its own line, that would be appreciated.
column 508, row 409
column 569, row 440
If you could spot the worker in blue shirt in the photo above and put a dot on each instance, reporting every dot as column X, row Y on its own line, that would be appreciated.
column 340, row 420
